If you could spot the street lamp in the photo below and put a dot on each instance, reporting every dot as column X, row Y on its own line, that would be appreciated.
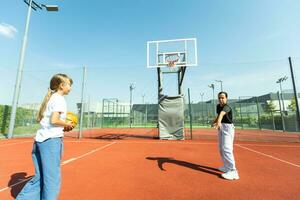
column 50, row 7
column 131, row 88
column 31, row 5
column 143, row 97
column 280, row 81
column 221, row 82
column 212, row 86
column 202, row 94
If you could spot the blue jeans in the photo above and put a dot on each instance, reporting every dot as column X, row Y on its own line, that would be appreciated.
column 45, row 185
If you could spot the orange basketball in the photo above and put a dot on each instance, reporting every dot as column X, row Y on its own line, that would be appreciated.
column 71, row 117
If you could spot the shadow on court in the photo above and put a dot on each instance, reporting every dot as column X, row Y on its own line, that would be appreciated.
column 123, row 136
column 205, row 169
column 15, row 178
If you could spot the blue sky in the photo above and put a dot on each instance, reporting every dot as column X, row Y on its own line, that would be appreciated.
column 244, row 43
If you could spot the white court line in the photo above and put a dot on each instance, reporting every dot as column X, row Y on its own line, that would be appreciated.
column 284, row 161
column 13, row 185
column 161, row 142
column 170, row 142
column 14, row 143
column 88, row 153
column 63, row 163
column 272, row 145
column 74, row 141
column 183, row 142
column 138, row 142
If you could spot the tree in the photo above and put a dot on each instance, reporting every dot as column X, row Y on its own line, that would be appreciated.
column 270, row 108
column 292, row 105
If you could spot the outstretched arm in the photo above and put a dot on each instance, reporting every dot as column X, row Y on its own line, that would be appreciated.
column 218, row 120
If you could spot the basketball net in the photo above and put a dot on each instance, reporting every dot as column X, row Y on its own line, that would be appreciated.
column 172, row 63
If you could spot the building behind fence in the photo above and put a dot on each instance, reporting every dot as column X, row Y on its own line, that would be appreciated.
column 263, row 112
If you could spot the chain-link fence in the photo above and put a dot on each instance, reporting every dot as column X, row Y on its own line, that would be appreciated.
column 272, row 108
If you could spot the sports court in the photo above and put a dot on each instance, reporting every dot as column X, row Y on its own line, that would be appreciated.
column 136, row 167
column 138, row 90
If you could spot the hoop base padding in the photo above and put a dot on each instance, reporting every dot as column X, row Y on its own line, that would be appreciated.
column 171, row 118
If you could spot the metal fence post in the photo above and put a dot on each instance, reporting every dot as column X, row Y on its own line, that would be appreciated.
column 82, row 100
column 190, row 113
column 258, row 113
column 282, row 118
column 241, row 116
column 295, row 94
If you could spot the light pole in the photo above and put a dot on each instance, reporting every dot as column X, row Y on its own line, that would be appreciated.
column 202, row 107
column 280, row 81
column 221, row 82
column 212, row 86
column 31, row 5
column 131, row 88
column 143, row 97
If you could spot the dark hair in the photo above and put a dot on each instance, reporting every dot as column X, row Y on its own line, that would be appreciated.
column 225, row 93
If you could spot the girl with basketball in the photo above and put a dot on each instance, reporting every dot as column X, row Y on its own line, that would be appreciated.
column 48, row 144
column 224, row 124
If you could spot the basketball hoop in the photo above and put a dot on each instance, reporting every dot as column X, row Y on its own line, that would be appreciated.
column 172, row 61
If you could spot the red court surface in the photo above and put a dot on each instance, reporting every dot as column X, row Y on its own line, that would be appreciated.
column 151, row 169
column 197, row 134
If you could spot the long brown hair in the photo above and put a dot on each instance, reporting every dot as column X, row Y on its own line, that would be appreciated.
column 55, row 82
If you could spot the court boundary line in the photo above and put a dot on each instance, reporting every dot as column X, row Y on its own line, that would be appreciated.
column 15, row 184
column 159, row 142
column 272, row 145
column 180, row 142
column 269, row 156
column 62, row 164
column 86, row 154
column 2, row 145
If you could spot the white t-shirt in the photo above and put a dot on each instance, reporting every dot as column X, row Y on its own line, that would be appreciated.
column 56, row 103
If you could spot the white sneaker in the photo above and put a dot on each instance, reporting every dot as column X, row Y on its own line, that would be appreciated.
column 231, row 175
column 223, row 169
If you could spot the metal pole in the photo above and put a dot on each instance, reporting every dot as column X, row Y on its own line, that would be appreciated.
column 118, row 112
column 258, row 114
column 191, row 116
column 102, row 114
column 273, row 121
column 221, row 86
column 202, row 94
column 143, row 96
column 213, row 88
column 82, row 100
column 295, row 93
column 88, row 119
column 178, row 80
column 221, row 83
column 131, row 87
column 207, row 117
column 19, row 75
column 159, row 85
column 241, row 113
column 146, row 117
column 281, row 97
column 130, row 106
column 282, row 119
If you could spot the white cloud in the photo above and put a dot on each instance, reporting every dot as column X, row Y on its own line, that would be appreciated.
column 7, row 30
